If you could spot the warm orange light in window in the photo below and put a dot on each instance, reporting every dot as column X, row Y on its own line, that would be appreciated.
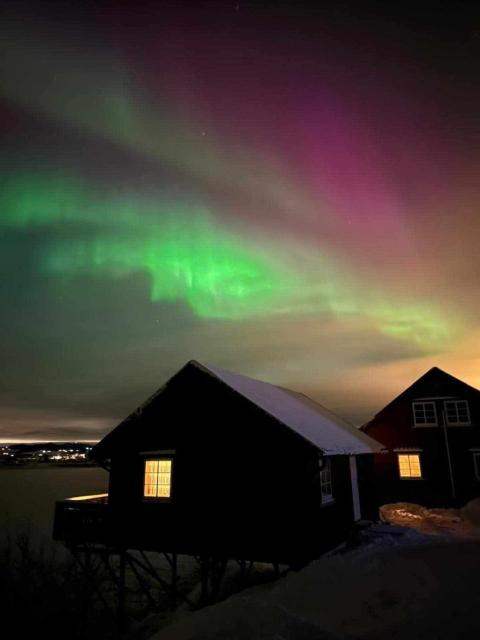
column 409, row 466
column 158, row 479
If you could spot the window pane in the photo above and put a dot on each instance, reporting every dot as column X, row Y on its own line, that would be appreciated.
column 404, row 466
column 424, row 413
column 456, row 412
column 409, row 466
column 163, row 491
column 150, row 490
column 164, row 466
column 326, row 488
column 415, row 471
column 429, row 409
column 150, row 478
column 157, row 479
column 151, row 466
column 476, row 462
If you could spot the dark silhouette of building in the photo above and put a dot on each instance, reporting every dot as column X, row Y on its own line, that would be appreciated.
column 216, row 464
column 431, row 433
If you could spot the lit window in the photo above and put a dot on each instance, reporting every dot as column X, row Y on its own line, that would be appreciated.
column 456, row 412
column 409, row 465
column 326, row 480
column 158, row 479
column 476, row 464
column 424, row 414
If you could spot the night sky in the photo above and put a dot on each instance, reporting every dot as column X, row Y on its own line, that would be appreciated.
column 289, row 190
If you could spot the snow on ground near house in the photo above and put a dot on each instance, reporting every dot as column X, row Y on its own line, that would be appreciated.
column 461, row 523
column 397, row 585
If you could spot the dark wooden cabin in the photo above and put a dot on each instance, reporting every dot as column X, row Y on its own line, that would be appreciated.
column 431, row 433
column 219, row 464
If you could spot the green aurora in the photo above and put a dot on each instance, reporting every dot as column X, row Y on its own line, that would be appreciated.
column 188, row 255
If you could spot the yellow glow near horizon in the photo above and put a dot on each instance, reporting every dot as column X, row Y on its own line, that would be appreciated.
column 158, row 479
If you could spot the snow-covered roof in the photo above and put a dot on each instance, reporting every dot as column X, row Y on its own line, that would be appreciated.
column 327, row 431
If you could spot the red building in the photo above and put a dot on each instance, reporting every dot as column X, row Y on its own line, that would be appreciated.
column 431, row 433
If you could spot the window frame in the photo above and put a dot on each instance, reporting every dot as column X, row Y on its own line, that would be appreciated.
column 423, row 403
column 155, row 456
column 409, row 454
column 476, row 464
column 325, row 467
column 457, row 423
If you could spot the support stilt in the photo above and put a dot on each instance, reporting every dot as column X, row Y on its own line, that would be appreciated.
column 174, row 581
column 204, row 579
column 150, row 572
column 122, row 592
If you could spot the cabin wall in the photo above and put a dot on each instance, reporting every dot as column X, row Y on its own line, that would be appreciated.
column 242, row 484
column 394, row 428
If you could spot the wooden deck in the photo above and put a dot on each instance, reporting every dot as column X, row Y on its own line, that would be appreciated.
column 81, row 519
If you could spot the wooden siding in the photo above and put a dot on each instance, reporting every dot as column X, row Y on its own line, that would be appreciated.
column 394, row 428
column 243, row 484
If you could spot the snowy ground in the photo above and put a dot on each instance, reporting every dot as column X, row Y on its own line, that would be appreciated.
column 461, row 523
column 398, row 583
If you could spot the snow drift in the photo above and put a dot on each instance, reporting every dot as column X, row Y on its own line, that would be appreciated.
column 406, row 585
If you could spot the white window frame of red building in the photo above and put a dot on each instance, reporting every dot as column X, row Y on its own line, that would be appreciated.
column 421, row 406
column 456, row 422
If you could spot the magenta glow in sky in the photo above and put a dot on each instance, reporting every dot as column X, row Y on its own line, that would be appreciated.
column 281, row 190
